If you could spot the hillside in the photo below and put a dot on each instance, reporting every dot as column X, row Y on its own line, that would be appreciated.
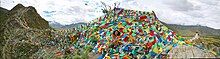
column 19, row 18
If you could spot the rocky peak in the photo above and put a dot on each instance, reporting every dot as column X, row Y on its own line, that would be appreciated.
column 18, row 6
column 32, row 9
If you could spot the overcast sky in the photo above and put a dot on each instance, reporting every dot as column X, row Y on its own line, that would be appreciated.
column 184, row 12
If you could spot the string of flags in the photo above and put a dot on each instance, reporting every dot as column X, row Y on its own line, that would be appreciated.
column 122, row 34
column 131, row 34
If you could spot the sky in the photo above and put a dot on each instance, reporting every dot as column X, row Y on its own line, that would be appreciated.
column 183, row 12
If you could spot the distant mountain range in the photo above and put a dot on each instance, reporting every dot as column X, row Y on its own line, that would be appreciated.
column 190, row 30
column 57, row 25
column 73, row 25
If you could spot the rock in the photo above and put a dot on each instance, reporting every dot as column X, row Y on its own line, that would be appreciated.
column 189, row 52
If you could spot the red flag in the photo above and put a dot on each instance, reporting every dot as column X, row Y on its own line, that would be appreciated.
column 173, row 33
column 105, row 26
column 143, row 17
column 121, row 29
column 142, row 25
column 140, row 30
column 126, row 39
column 110, row 29
column 161, row 33
column 130, row 33
column 151, row 33
column 149, row 45
column 129, row 23
column 169, row 38
column 104, row 34
column 154, row 41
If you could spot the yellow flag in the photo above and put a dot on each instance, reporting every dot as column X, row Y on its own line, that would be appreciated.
column 160, row 49
column 187, row 41
column 180, row 42
column 127, row 20
column 131, row 38
column 107, row 20
column 107, row 43
column 108, row 57
column 99, row 50
column 147, row 30
column 165, row 35
column 175, row 40
column 98, row 37
column 129, row 30
column 171, row 47
column 155, row 49
column 120, row 25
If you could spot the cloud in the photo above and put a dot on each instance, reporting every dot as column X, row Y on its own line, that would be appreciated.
column 187, row 12
column 179, row 5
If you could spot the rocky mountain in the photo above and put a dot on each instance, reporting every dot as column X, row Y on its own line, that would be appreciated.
column 22, row 18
